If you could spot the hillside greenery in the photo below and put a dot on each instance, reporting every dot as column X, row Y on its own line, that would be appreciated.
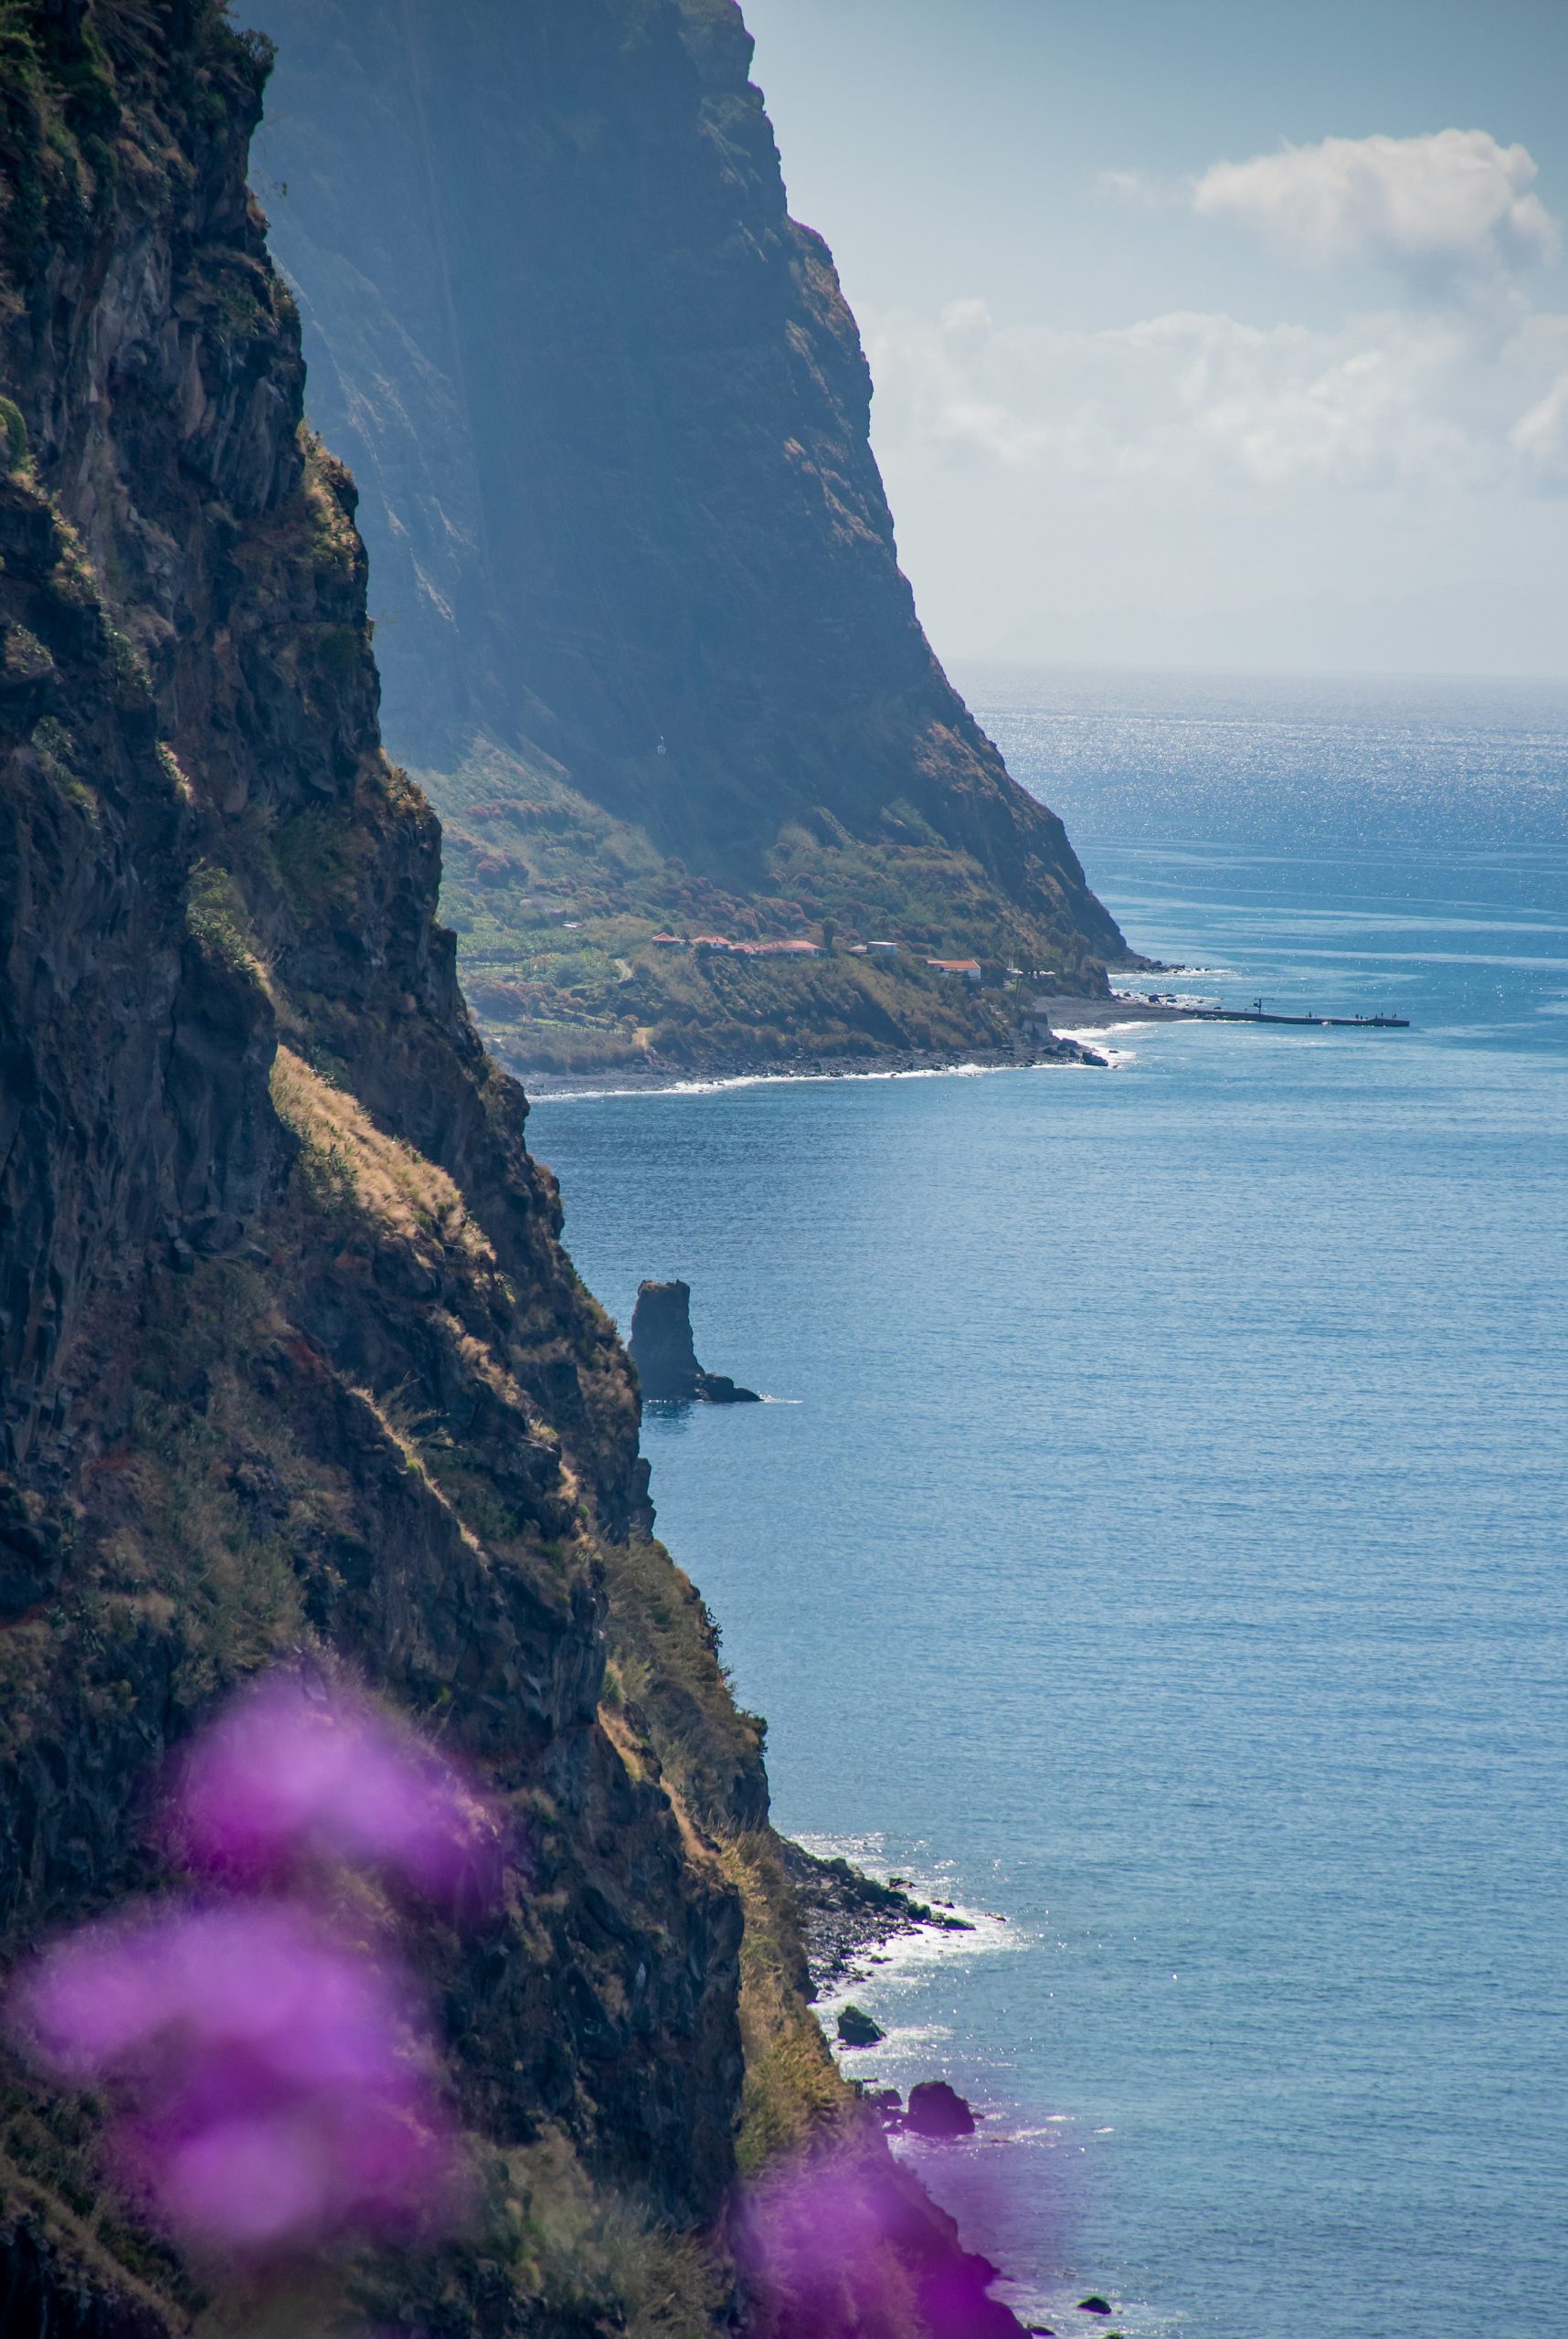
column 556, row 905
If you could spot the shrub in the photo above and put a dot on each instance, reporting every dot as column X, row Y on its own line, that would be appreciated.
column 214, row 914
column 13, row 435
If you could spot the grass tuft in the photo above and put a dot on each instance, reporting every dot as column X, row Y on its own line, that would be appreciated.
column 350, row 1163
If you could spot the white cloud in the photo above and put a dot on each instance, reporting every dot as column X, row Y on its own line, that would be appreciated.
column 1393, row 487
column 1454, row 202
column 1415, row 398
column 1467, row 391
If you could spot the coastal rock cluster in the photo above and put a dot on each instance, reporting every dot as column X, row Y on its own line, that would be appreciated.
column 291, row 1360
column 845, row 1914
column 648, row 639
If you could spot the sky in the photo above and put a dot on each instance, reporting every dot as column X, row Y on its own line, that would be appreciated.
column 1204, row 335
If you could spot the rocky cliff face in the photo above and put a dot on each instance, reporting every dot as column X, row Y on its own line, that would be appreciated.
column 291, row 1357
column 611, row 416
column 290, row 1354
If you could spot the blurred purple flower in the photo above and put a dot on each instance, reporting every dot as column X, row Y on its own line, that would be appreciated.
column 837, row 2242
column 301, row 1768
column 276, row 2087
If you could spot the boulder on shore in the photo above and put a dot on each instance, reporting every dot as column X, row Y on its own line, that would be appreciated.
column 665, row 1355
column 937, row 2111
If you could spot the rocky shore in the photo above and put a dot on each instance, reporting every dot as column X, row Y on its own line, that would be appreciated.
column 618, row 1080
column 846, row 1916
column 1106, row 1014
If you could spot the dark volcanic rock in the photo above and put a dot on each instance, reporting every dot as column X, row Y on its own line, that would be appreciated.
column 880, row 2203
column 661, row 1349
column 956, row 2303
column 1094, row 2304
column 937, row 2111
column 660, row 1346
column 856, row 2028
column 719, row 1389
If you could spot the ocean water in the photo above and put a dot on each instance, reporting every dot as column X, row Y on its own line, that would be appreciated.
column 1158, row 1540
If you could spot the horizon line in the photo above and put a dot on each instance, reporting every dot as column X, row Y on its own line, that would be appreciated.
column 1025, row 665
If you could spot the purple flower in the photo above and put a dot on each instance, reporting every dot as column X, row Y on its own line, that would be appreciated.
column 274, row 2086
column 301, row 1769
column 842, row 2243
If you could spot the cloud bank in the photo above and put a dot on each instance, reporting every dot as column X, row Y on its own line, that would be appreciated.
column 1449, row 391
column 1384, row 400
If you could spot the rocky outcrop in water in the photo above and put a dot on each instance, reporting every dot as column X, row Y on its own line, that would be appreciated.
column 856, row 2028
column 664, row 1352
column 847, row 1916
column 937, row 2110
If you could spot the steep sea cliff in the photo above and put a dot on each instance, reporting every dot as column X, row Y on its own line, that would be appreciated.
column 291, row 1356
column 646, row 634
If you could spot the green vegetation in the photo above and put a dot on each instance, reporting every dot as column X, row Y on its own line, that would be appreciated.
column 351, row 1164
column 195, row 1561
column 58, row 753
column 581, row 2252
column 665, row 1665
column 130, row 666
column 556, row 905
column 48, row 2177
column 793, row 2092
column 215, row 915
column 334, row 544
column 314, row 855
column 665, row 1676
column 13, row 435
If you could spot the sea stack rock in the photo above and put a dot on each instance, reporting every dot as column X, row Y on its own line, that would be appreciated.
column 937, row 2111
column 665, row 1355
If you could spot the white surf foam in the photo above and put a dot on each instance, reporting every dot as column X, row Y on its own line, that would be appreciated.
column 789, row 1080
column 1094, row 1036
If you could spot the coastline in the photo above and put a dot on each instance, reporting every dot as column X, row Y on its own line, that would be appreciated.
column 847, row 1915
column 906, row 1065
column 850, row 1922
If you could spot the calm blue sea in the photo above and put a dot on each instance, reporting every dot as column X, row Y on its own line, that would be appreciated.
column 1159, row 1539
